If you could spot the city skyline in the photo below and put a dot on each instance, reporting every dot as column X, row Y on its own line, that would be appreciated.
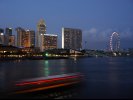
column 97, row 19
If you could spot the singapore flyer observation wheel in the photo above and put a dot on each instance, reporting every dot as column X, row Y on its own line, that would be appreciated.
column 114, row 42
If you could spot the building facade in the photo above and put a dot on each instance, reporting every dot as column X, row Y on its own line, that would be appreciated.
column 20, row 36
column 41, row 30
column 8, row 33
column 25, row 38
column 71, row 38
column 2, row 37
column 50, row 41
column 30, row 38
column 12, row 40
column 8, row 49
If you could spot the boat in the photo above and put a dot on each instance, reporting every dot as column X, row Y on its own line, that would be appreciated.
column 45, row 83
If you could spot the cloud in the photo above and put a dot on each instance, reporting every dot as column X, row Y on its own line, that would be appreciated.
column 98, row 34
column 93, row 30
column 90, row 34
column 105, row 34
column 127, row 33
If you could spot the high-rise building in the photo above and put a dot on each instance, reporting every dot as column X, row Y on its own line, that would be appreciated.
column 20, row 36
column 41, row 30
column 30, row 38
column 25, row 38
column 1, row 30
column 1, row 36
column 41, row 42
column 71, row 38
column 12, row 40
column 8, row 33
column 50, row 41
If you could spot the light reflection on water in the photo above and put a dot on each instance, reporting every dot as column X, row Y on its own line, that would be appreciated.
column 12, row 71
column 104, row 77
column 46, row 68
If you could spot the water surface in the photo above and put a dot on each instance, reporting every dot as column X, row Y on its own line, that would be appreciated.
column 104, row 77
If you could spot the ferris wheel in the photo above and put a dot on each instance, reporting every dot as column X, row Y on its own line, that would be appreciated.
column 114, row 42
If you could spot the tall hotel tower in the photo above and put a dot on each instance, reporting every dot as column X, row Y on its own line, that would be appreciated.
column 30, row 37
column 20, row 36
column 41, row 30
column 50, row 41
column 25, row 38
column 71, row 38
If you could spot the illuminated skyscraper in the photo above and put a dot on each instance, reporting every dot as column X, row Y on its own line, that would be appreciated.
column 8, row 33
column 25, row 38
column 50, row 41
column 71, row 38
column 1, row 36
column 30, row 38
column 41, row 30
column 20, row 36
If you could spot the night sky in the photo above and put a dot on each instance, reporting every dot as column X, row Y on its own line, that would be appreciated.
column 97, row 18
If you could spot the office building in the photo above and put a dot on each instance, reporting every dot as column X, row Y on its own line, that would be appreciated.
column 41, row 42
column 2, row 37
column 50, row 41
column 25, row 38
column 41, row 30
column 8, row 33
column 20, row 36
column 1, row 30
column 11, row 40
column 29, row 38
column 71, row 38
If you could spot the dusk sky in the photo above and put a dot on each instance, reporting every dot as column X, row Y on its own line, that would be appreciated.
column 97, row 18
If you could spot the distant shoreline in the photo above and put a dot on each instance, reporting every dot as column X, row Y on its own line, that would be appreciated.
column 56, row 58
